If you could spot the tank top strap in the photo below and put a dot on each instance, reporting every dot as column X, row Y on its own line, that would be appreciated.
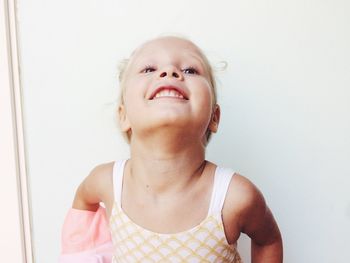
column 222, row 179
column 118, row 172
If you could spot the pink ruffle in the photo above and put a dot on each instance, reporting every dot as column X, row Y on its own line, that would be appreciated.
column 86, row 237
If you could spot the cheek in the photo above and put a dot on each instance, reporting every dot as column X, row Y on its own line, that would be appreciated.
column 131, row 92
column 204, row 94
column 134, row 104
column 204, row 103
column 136, row 87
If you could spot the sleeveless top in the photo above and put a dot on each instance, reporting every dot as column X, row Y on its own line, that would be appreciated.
column 205, row 242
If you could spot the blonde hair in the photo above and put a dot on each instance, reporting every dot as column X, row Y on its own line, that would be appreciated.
column 122, row 68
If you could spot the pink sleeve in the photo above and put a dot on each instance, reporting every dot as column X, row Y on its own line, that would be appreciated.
column 86, row 237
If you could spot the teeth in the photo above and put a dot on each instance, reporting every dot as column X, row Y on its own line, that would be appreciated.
column 168, row 93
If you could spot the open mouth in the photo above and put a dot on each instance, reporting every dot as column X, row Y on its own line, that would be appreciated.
column 168, row 92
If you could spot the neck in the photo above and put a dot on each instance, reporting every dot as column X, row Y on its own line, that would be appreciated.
column 165, row 165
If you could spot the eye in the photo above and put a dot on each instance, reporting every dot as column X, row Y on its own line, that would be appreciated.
column 190, row 70
column 148, row 69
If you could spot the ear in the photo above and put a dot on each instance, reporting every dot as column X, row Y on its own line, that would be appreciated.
column 215, row 119
column 123, row 119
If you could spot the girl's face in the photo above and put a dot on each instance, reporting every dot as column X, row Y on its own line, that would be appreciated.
column 167, row 84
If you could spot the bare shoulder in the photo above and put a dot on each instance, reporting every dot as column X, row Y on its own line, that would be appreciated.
column 102, row 171
column 243, row 195
column 95, row 188
column 102, row 177
column 245, row 210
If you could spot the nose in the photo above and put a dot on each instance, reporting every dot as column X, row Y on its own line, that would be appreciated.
column 171, row 72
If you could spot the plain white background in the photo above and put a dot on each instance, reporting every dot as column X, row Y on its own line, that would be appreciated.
column 284, row 96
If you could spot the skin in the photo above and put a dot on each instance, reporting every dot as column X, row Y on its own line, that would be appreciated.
column 167, row 175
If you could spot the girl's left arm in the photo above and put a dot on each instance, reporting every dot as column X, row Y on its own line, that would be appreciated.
column 257, row 221
column 266, row 240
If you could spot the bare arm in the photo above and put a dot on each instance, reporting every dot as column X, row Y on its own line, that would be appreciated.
column 94, row 189
column 266, row 239
column 256, row 220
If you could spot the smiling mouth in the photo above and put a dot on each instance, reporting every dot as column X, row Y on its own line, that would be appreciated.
column 168, row 92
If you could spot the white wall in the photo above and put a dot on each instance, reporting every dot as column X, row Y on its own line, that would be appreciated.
column 284, row 97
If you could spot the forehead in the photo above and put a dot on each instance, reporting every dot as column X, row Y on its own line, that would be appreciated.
column 169, row 45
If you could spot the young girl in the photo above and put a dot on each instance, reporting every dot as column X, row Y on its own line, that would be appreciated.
column 167, row 203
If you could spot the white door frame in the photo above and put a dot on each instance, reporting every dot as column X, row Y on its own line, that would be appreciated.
column 15, row 219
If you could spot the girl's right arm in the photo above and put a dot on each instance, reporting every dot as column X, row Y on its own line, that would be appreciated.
column 85, row 235
column 95, row 188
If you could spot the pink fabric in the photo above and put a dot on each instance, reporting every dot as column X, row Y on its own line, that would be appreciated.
column 86, row 237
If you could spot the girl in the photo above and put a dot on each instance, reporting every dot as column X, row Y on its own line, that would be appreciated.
column 167, row 203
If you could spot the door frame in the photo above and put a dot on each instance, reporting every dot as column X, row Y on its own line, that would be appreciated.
column 16, row 224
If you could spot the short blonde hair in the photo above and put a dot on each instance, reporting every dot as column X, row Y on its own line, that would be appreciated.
column 123, row 64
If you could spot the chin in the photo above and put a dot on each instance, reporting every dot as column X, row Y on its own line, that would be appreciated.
column 171, row 121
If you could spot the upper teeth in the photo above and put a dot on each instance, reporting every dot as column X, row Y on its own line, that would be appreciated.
column 169, row 93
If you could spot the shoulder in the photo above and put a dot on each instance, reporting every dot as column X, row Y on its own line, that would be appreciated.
column 102, row 171
column 100, row 174
column 244, row 194
column 244, row 206
column 101, row 177
column 96, row 187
